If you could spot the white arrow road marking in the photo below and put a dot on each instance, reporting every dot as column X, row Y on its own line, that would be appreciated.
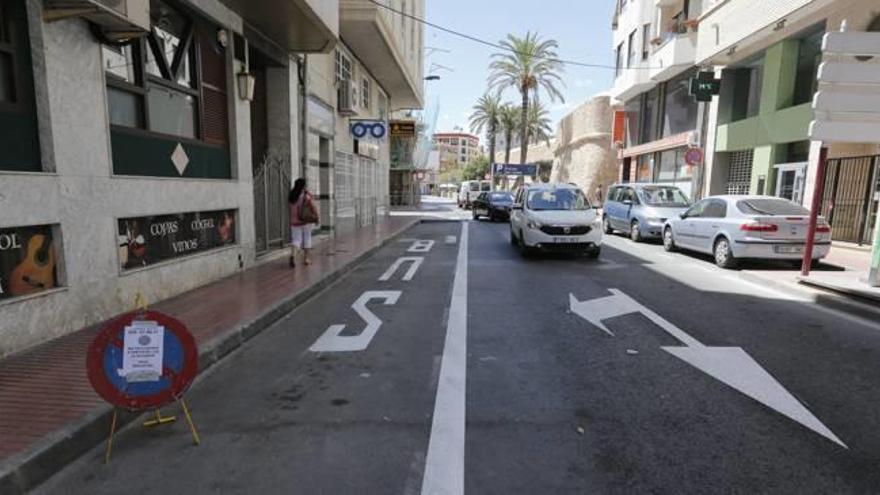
column 420, row 246
column 444, row 465
column 331, row 341
column 416, row 263
column 729, row 365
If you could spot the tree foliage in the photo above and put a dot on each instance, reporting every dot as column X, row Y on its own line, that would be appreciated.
column 529, row 64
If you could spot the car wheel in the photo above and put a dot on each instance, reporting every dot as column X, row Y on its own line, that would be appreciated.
column 634, row 232
column 476, row 217
column 513, row 240
column 606, row 226
column 723, row 254
column 523, row 249
column 668, row 240
column 593, row 252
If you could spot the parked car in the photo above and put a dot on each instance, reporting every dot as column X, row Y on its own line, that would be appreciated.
column 555, row 218
column 470, row 189
column 732, row 228
column 493, row 205
column 641, row 210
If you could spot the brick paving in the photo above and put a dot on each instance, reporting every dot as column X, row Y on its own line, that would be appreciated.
column 43, row 390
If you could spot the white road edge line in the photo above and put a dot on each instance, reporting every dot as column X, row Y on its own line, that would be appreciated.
column 444, row 465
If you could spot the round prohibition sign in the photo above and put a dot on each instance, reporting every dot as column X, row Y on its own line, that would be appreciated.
column 179, row 364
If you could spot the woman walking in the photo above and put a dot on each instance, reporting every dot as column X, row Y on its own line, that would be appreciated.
column 303, row 217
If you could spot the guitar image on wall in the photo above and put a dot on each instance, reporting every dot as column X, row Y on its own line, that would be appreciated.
column 36, row 272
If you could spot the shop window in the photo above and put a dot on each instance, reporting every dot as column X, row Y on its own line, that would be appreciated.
column 679, row 108
column 643, row 168
column 666, row 171
column 809, row 58
column 168, row 90
column 29, row 260
column 633, row 110
column 19, row 135
column 648, row 128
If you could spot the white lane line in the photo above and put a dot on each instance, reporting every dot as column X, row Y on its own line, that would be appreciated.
column 444, row 466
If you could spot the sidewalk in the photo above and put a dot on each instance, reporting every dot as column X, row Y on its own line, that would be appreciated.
column 838, row 282
column 49, row 414
column 856, row 263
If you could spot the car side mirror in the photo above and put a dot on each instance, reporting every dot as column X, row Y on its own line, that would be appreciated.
column 682, row 215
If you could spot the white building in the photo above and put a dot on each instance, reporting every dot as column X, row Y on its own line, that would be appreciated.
column 163, row 163
column 655, row 50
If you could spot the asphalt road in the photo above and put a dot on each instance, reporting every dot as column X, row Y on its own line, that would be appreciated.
column 485, row 376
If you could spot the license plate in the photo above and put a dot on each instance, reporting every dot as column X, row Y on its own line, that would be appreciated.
column 565, row 240
column 788, row 249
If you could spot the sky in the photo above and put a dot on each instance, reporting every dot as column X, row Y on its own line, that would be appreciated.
column 582, row 28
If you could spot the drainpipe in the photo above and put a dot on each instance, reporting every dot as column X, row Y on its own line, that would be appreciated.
column 303, row 64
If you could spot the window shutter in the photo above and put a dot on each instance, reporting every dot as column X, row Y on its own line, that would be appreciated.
column 215, row 115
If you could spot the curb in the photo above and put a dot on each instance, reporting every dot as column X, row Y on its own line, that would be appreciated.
column 27, row 470
column 828, row 299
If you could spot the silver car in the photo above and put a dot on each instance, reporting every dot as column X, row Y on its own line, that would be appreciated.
column 641, row 210
column 732, row 228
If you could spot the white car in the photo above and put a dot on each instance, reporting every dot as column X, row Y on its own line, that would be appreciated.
column 746, row 227
column 555, row 218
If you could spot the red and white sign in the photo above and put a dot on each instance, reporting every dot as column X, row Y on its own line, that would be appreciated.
column 693, row 156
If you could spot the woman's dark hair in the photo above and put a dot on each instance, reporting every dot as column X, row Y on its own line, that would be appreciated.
column 299, row 185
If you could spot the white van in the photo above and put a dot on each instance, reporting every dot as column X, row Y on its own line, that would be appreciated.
column 470, row 189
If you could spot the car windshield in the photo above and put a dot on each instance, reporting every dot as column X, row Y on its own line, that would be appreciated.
column 771, row 206
column 502, row 198
column 558, row 199
column 485, row 186
column 663, row 196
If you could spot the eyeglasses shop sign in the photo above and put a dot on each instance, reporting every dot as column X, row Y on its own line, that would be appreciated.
column 144, row 241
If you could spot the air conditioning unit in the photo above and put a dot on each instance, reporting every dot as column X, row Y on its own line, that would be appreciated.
column 114, row 21
column 348, row 101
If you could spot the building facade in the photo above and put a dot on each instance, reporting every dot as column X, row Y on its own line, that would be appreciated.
column 457, row 149
column 759, row 123
column 654, row 50
column 150, row 150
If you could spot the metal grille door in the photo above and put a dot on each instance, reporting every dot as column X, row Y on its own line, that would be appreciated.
column 852, row 186
column 739, row 176
column 271, row 211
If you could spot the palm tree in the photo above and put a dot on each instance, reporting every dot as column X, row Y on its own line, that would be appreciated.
column 540, row 125
column 528, row 64
column 485, row 116
column 509, row 122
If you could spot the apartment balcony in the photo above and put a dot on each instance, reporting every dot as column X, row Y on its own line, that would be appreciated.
column 371, row 32
column 300, row 26
column 733, row 30
column 673, row 55
column 631, row 82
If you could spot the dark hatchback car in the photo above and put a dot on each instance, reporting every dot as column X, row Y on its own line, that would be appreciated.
column 493, row 205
